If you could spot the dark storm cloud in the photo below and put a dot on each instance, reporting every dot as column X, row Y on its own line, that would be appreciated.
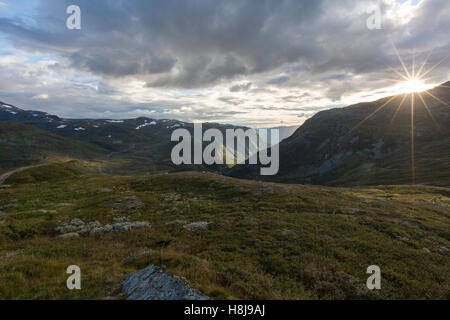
column 196, row 43
column 204, row 41
column 268, row 48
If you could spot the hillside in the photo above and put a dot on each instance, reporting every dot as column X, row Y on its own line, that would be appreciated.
column 256, row 240
column 23, row 145
column 136, row 145
column 338, row 147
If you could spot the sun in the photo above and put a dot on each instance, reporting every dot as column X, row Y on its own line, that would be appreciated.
column 411, row 85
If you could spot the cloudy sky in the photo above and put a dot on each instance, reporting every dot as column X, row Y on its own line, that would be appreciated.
column 257, row 63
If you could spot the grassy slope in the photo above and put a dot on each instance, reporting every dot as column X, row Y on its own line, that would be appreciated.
column 22, row 145
column 266, row 240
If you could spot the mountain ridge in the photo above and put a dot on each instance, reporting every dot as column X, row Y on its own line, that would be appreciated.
column 367, row 144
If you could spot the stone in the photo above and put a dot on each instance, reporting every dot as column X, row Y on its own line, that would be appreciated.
column 69, row 235
column 176, row 222
column 140, row 224
column 197, row 225
column 120, row 219
column 93, row 224
column 2, row 213
column 65, row 228
column 154, row 283
column 105, row 228
column 77, row 222
column 130, row 202
column 118, row 227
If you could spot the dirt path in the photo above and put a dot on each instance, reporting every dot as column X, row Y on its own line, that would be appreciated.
column 6, row 175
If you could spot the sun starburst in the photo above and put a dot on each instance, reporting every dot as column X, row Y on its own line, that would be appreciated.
column 409, row 84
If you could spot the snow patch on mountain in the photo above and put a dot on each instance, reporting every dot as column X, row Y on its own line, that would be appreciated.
column 145, row 125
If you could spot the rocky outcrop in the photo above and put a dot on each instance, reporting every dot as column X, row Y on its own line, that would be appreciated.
column 123, row 226
column 126, row 203
column 154, row 283
column 77, row 227
column 197, row 225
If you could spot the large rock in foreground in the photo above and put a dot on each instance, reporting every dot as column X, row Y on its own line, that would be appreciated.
column 154, row 283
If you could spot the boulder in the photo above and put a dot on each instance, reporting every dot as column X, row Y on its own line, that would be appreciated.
column 197, row 225
column 175, row 222
column 154, row 283
column 120, row 219
column 69, row 235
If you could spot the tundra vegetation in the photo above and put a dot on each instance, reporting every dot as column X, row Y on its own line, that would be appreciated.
column 229, row 238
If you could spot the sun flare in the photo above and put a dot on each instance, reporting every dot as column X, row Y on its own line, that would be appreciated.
column 412, row 85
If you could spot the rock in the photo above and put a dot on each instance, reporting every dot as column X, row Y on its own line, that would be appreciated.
column 139, row 224
column 171, row 197
column 120, row 227
column 77, row 225
column 77, row 222
column 66, row 228
column 46, row 211
column 443, row 249
column 2, row 213
column 69, row 235
column 131, row 202
column 154, row 283
column 84, row 232
column 93, row 224
column 120, row 219
column 170, row 223
column 197, row 225
column 105, row 228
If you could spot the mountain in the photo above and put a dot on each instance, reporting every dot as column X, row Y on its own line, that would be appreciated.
column 369, row 144
column 23, row 145
column 140, row 144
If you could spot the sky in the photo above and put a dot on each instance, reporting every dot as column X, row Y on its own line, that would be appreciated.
column 245, row 62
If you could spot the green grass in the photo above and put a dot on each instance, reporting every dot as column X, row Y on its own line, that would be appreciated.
column 266, row 241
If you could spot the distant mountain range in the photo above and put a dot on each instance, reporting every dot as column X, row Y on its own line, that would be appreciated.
column 369, row 144
column 133, row 145
column 363, row 144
